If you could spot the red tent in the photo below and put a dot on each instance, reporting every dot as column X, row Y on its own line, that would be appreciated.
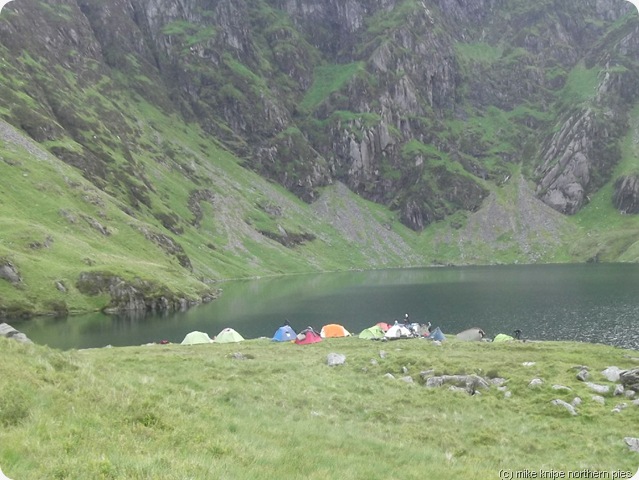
column 308, row 336
column 384, row 326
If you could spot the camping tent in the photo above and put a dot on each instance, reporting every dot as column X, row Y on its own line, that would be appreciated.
column 437, row 335
column 384, row 326
column 502, row 337
column 228, row 335
column 196, row 337
column 307, row 336
column 284, row 334
column 398, row 331
column 333, row 330
column 471, row 335
column 373, row 332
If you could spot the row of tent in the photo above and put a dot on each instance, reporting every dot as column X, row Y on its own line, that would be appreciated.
column 309, row 335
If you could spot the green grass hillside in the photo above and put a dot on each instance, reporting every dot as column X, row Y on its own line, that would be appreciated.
column 162, row 158
column 202, row 218
column 278, row 411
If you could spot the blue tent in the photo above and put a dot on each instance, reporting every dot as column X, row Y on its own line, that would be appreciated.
column 437, row 335
column 284, row 334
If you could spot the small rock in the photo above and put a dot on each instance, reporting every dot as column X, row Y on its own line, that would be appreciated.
column 566, row 405
column 576, row 402
column 404, row 370
column 60, row 286
column 453, row 388
column 630, row 393
column 536, row 382
column 407, row 379
column 427, row 373
column 611, row 373
column 562, row 388
column 433, row 382
column 498, row 381
column 583, row 375
column 529, row 364
column 630, row 379
column 237, row 356
column 374, row 362
column 390, row 376
column 468, row 383
column 437, row 343
column 602, row 389
column 502, row 388
column 382, row 354
column 619, row 408
column 508, row 394
column 599, row 399
column 618, row 390
column 633, row 443
column 335, row 359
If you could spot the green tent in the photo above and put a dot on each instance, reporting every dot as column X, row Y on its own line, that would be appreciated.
column 196, row 337
column 228, row 335
column 502, row 337
column 373, row 332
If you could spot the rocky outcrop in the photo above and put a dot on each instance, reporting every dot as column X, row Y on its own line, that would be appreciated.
column 565, row 171
column 9, row 272
column 470, row 383
column 8, row 331
column 420, row 103
column 168, row 245
column 578, row 159
column 626, row 194
column 134, row 296
column 630, row 379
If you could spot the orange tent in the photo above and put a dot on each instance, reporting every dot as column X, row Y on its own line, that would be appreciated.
column 334, row 330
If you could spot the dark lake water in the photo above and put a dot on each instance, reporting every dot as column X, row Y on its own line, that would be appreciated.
column 591, row 303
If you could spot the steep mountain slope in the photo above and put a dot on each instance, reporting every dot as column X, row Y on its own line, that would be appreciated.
column 149, row 144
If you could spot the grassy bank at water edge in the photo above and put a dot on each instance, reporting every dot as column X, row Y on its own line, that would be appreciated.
column 198, row 412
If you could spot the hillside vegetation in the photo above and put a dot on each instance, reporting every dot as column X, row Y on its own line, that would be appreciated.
column 149, row 150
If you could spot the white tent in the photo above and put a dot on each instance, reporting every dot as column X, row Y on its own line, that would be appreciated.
column 398, row 331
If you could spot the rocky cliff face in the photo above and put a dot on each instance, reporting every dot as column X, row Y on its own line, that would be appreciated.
column 581, row 155
column 421, row 106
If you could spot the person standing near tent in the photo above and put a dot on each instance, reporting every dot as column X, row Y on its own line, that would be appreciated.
column 409, row 325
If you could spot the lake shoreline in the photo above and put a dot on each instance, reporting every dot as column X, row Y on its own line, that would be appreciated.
column 584, row 302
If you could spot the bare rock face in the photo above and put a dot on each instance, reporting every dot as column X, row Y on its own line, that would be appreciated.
column 135, row 296
column 566, row 168
column 626, row 194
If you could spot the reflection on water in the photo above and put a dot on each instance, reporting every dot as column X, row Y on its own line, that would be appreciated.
column 593, row 303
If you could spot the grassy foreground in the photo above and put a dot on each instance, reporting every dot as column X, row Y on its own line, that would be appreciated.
column 178, row 412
